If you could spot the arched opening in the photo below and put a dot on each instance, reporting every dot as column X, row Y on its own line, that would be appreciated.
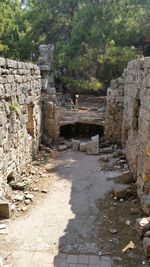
column 81, row 130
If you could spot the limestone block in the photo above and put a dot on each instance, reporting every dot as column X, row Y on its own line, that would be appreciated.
column 11, row 63
column 95, row 138
column 3, row 80
column 18, row 78
column 83, row 147
column 21, row 99
column 2, row 62
column 46, row 57
column 4, row 71
column 62, row 148
column 75, row 145
column 10, row 78
column 93, row 148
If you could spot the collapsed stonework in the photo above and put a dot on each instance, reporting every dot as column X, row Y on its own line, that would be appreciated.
column 128, row 122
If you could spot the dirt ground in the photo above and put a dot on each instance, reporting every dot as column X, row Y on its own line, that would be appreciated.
column 72, row 215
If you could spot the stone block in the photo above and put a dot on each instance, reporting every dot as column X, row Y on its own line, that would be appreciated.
column 3, row 80
column 2, row 62
column 83, row 259
column 75, row 145
column 62, row 148
column 83, row 147
column 95, row 138
column 72, row 259
column 93, row 148
column 10, row 78
column 11, row 63
column 120, row 190
column 4, row 209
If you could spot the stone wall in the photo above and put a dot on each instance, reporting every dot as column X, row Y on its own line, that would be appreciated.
column 20, row 116
column 135, row 122
column 114, row 111
column 50, row 107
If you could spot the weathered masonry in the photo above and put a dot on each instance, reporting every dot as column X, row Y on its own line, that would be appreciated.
column 28, row 112
column 128, row 121
column 50, row 108
column 20, row 116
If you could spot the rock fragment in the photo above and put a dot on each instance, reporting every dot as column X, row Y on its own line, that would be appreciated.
column 113, row 230
column 29, row 196
column 142, row 226
column 27, row 201
column 120, row 190
column 93, row 146
column 62, row 148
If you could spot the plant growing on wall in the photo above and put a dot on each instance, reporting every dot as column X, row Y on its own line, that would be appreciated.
column 16, row 108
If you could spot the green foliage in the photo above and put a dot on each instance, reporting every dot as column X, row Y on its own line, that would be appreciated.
column 94, row 39
column 16, row 108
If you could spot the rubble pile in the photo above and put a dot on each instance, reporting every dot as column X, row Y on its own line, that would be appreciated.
column 91, row 147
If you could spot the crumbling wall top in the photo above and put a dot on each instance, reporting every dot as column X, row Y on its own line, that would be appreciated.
column 45, row 61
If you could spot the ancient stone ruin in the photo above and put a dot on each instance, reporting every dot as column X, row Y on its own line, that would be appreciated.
column 20, row 116
column 30, row 113
column 128, row 122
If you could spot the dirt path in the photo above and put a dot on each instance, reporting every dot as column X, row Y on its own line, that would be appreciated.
column 67, row 220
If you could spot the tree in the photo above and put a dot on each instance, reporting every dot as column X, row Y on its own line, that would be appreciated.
column 94, row 39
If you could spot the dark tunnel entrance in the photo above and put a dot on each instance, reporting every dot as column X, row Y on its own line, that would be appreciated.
column 81, row 130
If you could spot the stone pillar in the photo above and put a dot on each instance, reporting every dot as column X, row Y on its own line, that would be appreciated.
column 114, row 112
column 50, row 118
